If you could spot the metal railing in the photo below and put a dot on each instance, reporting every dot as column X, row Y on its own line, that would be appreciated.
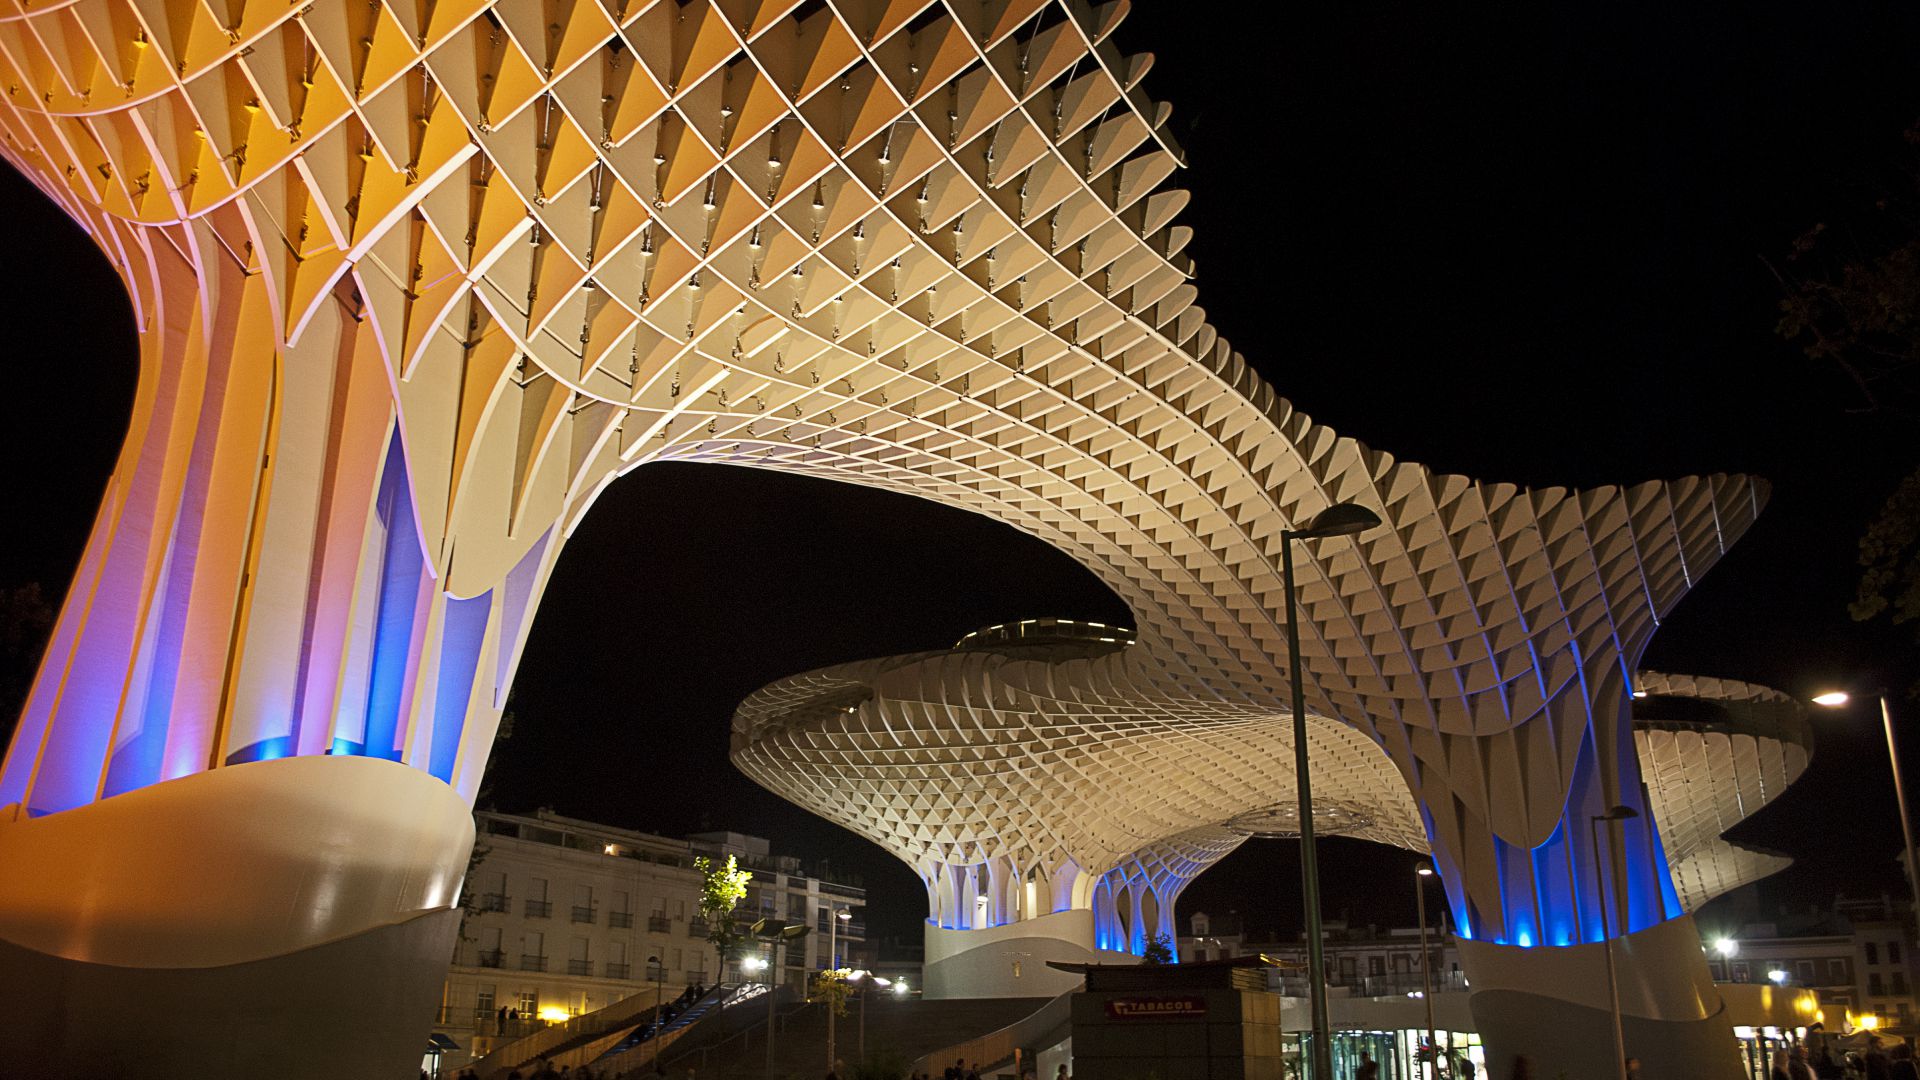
column 494, row 901
column 532, row 963
column 620, row 920
column 539, row 909
column 696, row 928
column 492, row 958
column 579, row 967
column 618, row 971
column 658, row 924
column 583, row 914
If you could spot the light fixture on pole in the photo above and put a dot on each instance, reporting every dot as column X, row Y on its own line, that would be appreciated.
column 1420, row 875
column 1612, row 817
column 1340, row 519
column 840, row 915
column 1834, row 699
column 774, row 932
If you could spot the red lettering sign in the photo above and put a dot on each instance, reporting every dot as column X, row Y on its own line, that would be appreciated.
column 1156, row 1008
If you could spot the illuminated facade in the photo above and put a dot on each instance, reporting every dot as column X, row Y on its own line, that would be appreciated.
column 564, row 915
column 416, row 280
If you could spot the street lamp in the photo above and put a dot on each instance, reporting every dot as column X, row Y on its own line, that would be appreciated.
column 659, row 1003
column 1834, row 699
column 1340, row 519
column 840, row 915
column 1420, row 875
column 865, row 977
column 773, row 932
column 1612, row 818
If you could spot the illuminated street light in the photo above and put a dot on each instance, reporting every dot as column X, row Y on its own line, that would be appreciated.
column 1420, row 875
column 1834, row 699
column 1777, row 976
column 1726, row 947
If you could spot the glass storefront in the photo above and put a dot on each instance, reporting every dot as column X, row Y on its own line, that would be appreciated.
column 1397, row 1052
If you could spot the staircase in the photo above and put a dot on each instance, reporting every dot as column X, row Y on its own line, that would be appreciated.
column 898, row 1029
column 559, row 1043
column 644, row 1046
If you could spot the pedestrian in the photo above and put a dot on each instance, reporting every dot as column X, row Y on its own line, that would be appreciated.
column 1781, row 1069
column 1633, row 1068
column 1369, row 1069
column 956, row 1071
column 1467, row 1070
column 1878, row 1065
column 1903, row 1064
column 1061, row 1074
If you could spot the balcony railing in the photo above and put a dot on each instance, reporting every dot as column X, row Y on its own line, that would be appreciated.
column 494, row 901
column 618, row 971
column 579, row 967
column 539, row 909
column 583, row 915
column 533, row 963
column 491, row 958
column 696, row 928
column 658, row 924
column 620, row 920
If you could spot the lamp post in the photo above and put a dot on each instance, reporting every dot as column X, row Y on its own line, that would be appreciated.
column 659, row 1001
column 840, row 915
column 1340, row 519
column 773, row 932
column 1834, row 699
column 1420, row 875
column 1612, row 817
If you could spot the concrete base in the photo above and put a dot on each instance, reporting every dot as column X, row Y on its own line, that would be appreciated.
column 1550, row 1006
column 1011, row 961
column 355, row 1008
column 290, row 919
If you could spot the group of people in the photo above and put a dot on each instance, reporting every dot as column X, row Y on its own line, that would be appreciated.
column 1819, row 1059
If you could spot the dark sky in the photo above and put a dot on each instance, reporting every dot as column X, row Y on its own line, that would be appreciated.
column 1526, row 245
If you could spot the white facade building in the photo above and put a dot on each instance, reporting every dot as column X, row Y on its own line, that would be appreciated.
column 569, row 916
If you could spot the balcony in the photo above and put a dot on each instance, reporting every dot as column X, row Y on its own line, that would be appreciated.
column 583, row 915
column 539, row 909
column 579, row 967
column 658, row 924
column 697, row 928
column 697, row 977
column 494, row 901
column 620, row 920
column 533, row 963
column 618, row 971
column 491, row 958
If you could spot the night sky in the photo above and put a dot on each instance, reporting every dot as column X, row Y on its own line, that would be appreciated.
column 1527, row 245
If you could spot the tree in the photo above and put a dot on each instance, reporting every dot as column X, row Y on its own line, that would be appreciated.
column 1852, row 298
column 1159, row 950
column 832, row 987
column 721, row 889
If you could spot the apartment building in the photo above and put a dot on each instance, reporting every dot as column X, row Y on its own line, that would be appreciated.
column 569, row 916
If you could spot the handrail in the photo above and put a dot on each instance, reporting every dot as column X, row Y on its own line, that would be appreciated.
column 730, row 995
column 743, row 1033
column 628, row 1010
column 996, row 1047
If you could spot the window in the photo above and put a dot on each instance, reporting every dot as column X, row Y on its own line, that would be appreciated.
column 1376, row 965
column 1875, row 987
column 1900, row 984
column 1348, row 969
column 1741, row 972
column 483, row 1006
column 583, row 903
column 659, row 907
column 1893, row 952
column 1200, row 955
column 578, row 961
column 1804, row 969
column 1873, row 953
column 529, row 1003
column 1837, row 974
column 538, row 906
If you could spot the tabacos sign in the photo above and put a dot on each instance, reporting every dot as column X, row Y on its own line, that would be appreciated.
column 1156, row 1008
